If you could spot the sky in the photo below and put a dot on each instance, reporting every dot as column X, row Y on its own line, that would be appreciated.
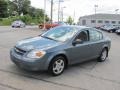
column 77, row 8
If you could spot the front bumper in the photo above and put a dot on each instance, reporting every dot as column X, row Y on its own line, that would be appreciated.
column 27, row 63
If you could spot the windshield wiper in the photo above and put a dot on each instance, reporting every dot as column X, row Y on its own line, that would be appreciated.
column 49, row 38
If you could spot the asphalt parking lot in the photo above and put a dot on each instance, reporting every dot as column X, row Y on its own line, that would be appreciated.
column 90, row 75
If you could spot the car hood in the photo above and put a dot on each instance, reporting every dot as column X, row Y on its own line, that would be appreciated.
column 36, row 43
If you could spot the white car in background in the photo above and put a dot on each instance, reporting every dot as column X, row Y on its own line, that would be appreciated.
column 18, row 24
column 109, row 28
column 118, row 31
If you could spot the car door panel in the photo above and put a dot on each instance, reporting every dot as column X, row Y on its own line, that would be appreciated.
column 96, row 49
column 81, row 52
column 96, row 39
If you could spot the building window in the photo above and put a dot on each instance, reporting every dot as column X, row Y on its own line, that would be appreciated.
column 107, row 22
column 100, row 21
column 93, row 21
column 113, row 22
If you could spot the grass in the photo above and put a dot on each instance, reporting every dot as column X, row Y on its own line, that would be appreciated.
column 27, row 19
column 5, row 22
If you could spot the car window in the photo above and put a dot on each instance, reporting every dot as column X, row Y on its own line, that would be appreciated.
column 83, row 36
column 95, row 35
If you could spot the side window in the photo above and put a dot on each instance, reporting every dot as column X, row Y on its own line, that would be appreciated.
column 95, row 35
column 83, row 36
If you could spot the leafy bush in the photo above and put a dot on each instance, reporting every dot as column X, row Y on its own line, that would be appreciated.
column 5, row 21
column 27, row 19
column 0, row 19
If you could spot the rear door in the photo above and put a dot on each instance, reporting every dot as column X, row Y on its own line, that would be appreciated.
column 96, row 42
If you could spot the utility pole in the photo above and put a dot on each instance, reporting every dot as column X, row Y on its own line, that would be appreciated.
column 59, row 7
column 62, row 12
column 58, row 10
column 96, row 6
column 51, row 11
column 74, row 15
column 44, row 13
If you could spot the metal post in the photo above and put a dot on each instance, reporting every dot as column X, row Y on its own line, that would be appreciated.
column 44, row 13
column 58, row 10
column 51, row 11
column 62, row 12
column 74, row 16
column 95, row 8
column 95, row 14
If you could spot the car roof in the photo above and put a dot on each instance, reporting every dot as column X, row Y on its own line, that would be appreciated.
column 75, row 26
column 80, row 27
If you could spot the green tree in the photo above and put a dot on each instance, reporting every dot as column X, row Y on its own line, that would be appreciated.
column 22, row 6
column 38, row 14
column 70, row 20
column 3, row 9
column 12, row 8
column 32, row 11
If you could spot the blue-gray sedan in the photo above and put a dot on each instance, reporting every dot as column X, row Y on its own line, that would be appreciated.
column 59, row 47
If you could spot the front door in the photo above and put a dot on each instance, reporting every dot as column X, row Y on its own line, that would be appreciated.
column 80, row 51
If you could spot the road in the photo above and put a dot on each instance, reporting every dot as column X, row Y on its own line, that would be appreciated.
column 91, row 75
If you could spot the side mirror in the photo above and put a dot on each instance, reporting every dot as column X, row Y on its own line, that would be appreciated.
column 77, row 42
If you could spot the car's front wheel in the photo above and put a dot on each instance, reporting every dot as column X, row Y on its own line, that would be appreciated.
column 103, row 55
column 57, row 66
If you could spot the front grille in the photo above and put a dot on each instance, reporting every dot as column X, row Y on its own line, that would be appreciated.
column 19, row 51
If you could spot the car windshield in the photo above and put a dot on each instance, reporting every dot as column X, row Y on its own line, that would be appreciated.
column 61, row 34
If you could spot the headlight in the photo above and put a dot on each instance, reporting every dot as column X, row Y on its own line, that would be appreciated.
column 36, row 54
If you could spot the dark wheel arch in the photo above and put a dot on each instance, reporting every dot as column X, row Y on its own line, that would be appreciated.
column 107, row 50
column 66, row 59
column 51, row 65
column 99, row 58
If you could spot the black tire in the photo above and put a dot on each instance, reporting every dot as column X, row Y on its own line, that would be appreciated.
column 118, row 33
column 103, row 58
column 110, row 31
column 52, row 65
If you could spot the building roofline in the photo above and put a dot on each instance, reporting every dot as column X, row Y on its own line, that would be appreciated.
column 101, row 15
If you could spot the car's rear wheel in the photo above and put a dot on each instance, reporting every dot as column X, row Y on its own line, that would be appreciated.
column 118, row 33
column 103, row 55
column 110, row 31
column 57, row 66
